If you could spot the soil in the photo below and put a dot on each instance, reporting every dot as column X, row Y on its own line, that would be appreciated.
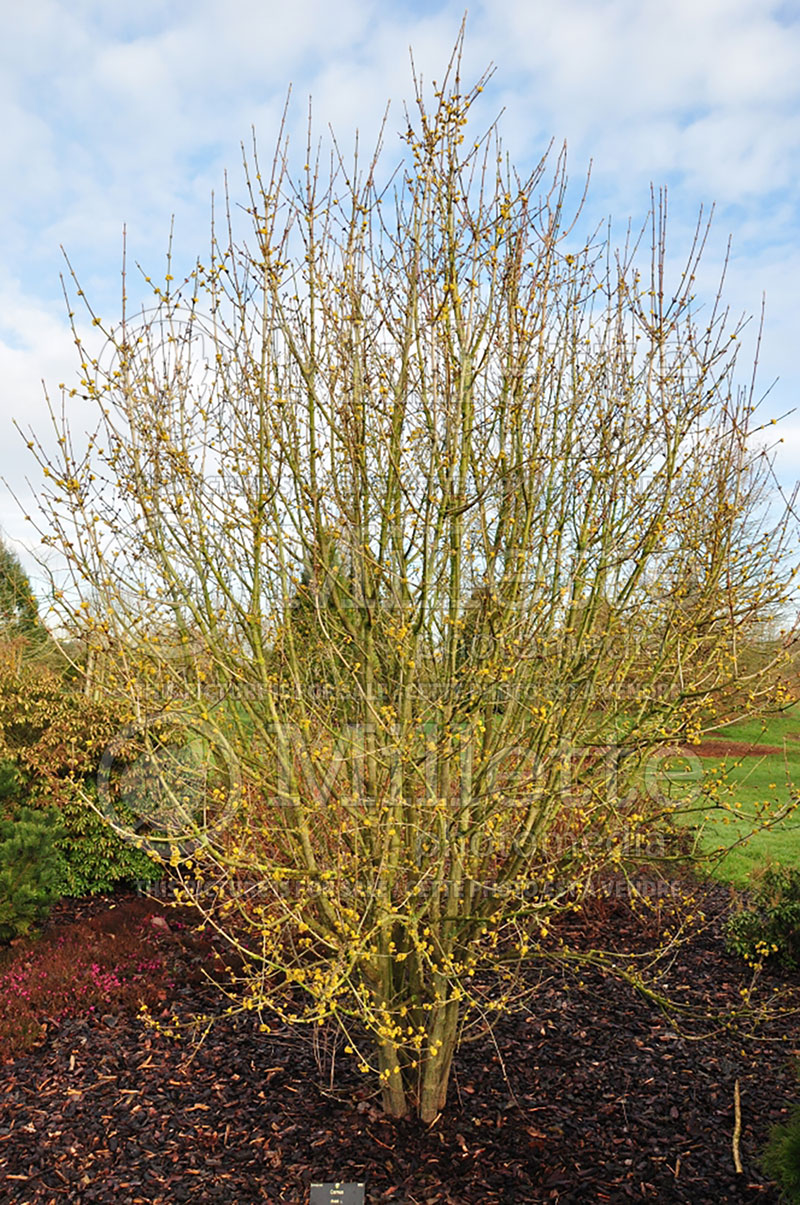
column 592, row 1095
column 724, row 749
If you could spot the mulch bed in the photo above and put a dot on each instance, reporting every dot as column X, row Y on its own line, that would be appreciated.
column 593, row 1096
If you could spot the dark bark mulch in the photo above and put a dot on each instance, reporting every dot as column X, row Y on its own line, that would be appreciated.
column 593, row 1096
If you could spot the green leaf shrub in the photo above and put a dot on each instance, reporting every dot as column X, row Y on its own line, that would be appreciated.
column 31, row 873
column 95, row 858
column 10, row 782
column 770, row 929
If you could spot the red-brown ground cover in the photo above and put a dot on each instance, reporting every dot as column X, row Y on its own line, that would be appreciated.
column 725, row 748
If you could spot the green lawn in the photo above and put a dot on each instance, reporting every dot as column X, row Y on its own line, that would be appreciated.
column 756, row 789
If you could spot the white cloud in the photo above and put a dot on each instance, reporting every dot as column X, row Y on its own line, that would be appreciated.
column 604, row 74
column 114, row 114
column 35, row 347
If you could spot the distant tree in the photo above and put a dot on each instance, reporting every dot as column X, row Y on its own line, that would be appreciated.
column 19, row 609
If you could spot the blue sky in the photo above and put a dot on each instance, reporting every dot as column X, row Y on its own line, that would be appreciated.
column 112, row 116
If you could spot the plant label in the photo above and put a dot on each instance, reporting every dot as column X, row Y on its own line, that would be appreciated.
column 337, row 1194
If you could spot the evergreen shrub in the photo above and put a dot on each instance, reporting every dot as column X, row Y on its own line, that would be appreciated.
column 770, row 929
column 31, row 871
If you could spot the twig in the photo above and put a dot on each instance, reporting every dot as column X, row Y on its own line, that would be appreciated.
column 737, row 1127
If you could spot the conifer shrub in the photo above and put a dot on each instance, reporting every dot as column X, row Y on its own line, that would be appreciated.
column 31, row 872
column 782, row 1157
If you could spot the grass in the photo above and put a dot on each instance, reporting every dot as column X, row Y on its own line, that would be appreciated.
column 753, row 792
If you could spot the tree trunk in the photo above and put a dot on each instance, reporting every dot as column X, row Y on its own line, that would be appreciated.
column 393, row 1091
column 422, row 1092
column 436, row 1071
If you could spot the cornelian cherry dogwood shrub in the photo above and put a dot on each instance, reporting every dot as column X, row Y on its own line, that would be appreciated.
column 437, row 523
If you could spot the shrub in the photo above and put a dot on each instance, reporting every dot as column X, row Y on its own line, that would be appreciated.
column 782, row 1156
column 770, row 930
column 486, row 510
column 31, row 872
column 95, row 858
column 80, row 972
column 10, row 782
column 51, row 741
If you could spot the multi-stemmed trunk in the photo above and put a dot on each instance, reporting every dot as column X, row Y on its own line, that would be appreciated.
column 416, row 1082
column 415, row 1061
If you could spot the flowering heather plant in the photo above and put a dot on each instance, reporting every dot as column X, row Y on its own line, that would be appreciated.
column 82, row 971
